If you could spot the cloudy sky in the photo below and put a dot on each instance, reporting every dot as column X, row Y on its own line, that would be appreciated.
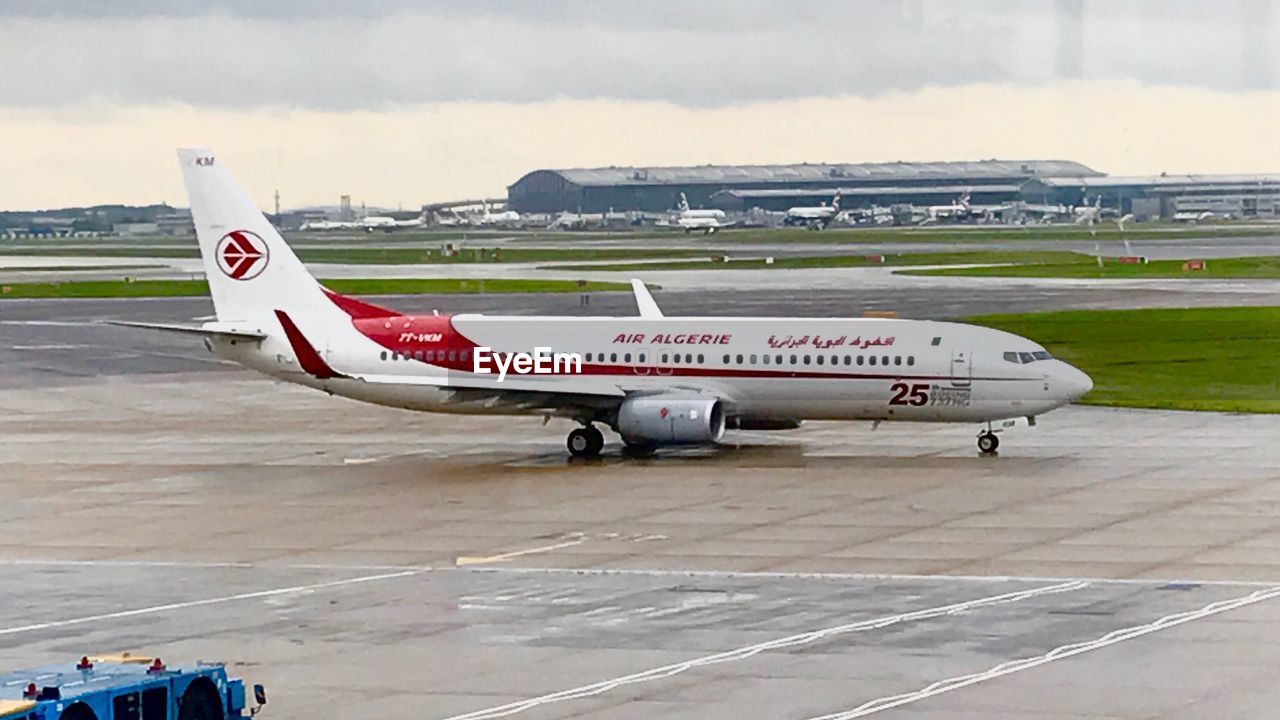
column 399, row 102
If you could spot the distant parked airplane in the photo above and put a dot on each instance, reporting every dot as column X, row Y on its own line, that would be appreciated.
column 816, row 217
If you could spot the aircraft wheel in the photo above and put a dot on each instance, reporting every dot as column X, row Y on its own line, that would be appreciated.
column 988, row 443
column 585, row 442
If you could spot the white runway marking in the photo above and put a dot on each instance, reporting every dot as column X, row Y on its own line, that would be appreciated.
column 879, row 577
column 208, row 601
column 1066, row 651
column 234, row 565
column 748, row 651
column 464, row 561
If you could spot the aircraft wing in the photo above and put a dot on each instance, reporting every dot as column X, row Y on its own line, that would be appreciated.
column 517, row 394
column 461, row 381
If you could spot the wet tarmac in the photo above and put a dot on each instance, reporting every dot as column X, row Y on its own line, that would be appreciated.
column 373, row 563
column 367, row 562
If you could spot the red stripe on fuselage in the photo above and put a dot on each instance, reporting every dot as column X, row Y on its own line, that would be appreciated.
column 357, row 309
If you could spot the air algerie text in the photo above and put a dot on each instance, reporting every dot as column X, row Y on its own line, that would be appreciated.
column 669, row 339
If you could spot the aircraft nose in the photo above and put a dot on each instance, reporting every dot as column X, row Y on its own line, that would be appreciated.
column 1075, row 382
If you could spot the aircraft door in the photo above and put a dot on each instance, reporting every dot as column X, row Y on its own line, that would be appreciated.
column 644, row 361
column 961, row 367
column 660, row 367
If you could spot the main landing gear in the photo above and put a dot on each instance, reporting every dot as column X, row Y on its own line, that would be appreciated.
column 585, row 442
column 988, row 441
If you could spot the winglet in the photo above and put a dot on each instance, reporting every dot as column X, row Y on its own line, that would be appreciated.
column 308, row 358
column 644, row 301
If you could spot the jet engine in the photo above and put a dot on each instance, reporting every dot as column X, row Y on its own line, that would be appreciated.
column 668, row 420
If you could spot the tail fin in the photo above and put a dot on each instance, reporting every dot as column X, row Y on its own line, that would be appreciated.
column 684, row 203
column 251, row 271
column 835, row 201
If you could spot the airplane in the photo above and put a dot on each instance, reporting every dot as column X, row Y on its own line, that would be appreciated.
column 386, row 223
column 654, row 379
column 708, row 221
column 817, row 217
column 506, row 218
column 1089, row 214
column 958, row 210
column 327, row 225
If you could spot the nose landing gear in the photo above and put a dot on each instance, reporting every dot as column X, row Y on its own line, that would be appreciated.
column 585, row 441
column 988, row 442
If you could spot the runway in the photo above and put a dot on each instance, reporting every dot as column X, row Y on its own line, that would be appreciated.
column 362, row 561
column 365, row 562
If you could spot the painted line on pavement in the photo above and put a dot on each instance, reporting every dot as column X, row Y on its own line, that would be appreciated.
column 1059, row 653
column 749, row 651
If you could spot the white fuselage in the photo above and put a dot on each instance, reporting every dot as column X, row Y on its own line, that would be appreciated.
column 763, row 368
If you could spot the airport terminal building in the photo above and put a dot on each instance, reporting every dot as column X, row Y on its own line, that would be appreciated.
column 742, row 188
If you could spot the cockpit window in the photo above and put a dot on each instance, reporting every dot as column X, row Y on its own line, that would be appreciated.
column 1022, row 358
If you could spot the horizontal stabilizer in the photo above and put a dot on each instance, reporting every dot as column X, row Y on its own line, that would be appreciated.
column 206, row 330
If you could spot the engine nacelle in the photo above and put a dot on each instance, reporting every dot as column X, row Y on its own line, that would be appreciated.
column 670, row 420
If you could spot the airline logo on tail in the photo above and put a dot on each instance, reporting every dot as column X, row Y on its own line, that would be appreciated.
column 242, row 255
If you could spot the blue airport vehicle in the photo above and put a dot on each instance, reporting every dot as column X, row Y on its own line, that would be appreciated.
column 124, row 687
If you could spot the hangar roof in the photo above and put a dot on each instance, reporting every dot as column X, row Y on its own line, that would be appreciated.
column 1159, row 180
column 876, row 190
column 856, row 172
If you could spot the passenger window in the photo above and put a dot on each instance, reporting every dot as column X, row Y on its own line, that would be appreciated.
column 766, row 359
column 873, row 360
column 860, row 360
column 739, row 359
column 466, row 355
column 688, row 358
column 820, row 360
column 586, row 358
column 936, row 341
column 664, row 357
column 885, row 360
column 613, row 357
column 897, row 359
column 726, row 359
column 626, row 358
column 384, row 354
column 676, row 358
column 701, row 359
column 778, row 359
column 641, row 357
column 848, row 360
column 1011, row 357
column 793, row 359
column 1026, row 357
column 753, row 359
column 911, row 359
column 806, row 359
